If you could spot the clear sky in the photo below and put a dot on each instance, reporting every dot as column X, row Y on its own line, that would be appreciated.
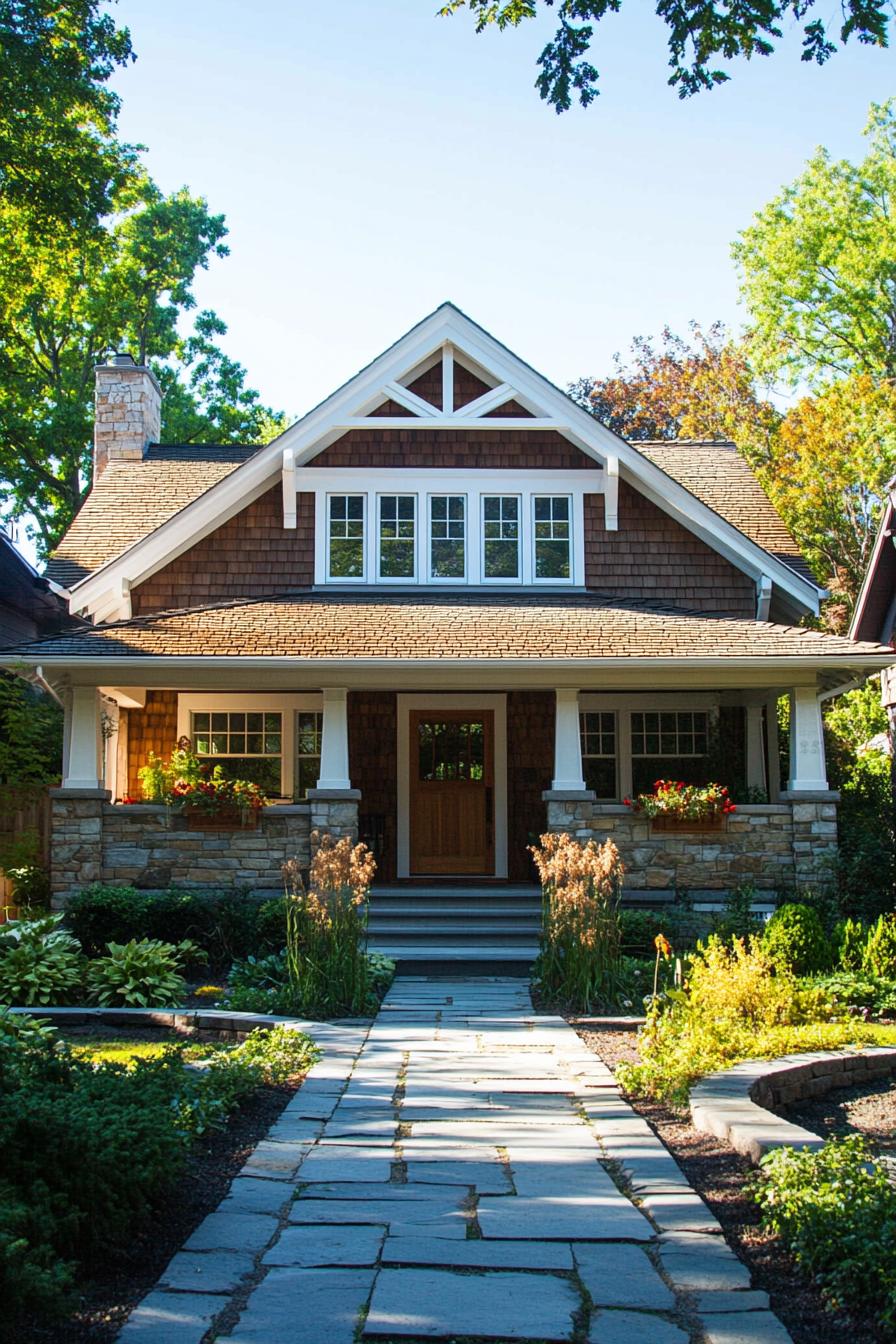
column 373, row 159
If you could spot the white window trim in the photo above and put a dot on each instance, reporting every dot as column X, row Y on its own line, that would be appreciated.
column 472, row 702
column 374, row 568
column 286, row 705
column 625, row 705
column 425, row 569
column 322, row 531
column 473, row 485
column 522, row 550
column 571, row 540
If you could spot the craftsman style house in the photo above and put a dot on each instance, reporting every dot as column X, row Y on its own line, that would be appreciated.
column 447, row 609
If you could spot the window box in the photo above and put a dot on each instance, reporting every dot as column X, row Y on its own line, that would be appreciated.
column 225, row 819
column 718, row 821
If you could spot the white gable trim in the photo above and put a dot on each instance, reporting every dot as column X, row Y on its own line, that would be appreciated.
column 447, row 326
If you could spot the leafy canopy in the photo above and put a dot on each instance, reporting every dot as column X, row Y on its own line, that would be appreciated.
column 818, row 266
column 700, row 35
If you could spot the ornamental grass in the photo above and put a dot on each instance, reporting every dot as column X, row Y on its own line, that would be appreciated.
column 326, row 928
column 580, row 960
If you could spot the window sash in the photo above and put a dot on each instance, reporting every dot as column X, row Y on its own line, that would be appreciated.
column 670, row 734
column 600, row 738
column 347, row 528
column 447, row 539
column 552, row 538
column 249, row 738
column 501, row 538
column 397, row 537
column 309, row 732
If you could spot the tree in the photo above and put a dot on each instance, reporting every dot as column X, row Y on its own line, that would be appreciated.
column 827, row 475
column 698, row 389
column 818, row 266
column 71, row 297
column 700, row 33
column 59, row 159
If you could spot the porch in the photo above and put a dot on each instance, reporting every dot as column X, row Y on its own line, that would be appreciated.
column 448, row 786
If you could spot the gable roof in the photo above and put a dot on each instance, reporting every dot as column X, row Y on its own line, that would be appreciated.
column 132, row 499
column 445, row 329
column 420, row 628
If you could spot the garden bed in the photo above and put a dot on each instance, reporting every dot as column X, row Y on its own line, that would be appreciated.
column 867, row 1108
column 720, row 1176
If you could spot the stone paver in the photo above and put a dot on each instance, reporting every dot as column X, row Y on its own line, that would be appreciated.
column 453, row 1171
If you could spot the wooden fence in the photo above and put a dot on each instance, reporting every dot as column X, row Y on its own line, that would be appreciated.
column 22, row 813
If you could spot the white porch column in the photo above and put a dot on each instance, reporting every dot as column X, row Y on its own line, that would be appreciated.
column 755, row 749
column 334, row 740
column 82, row 735
column 568, row 776
column 808, row 773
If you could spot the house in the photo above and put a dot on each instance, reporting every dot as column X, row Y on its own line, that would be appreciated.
column 30, row 605
column 446, row 609
column 875, row 613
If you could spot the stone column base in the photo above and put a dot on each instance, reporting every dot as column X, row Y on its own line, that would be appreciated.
column 334, row 811
column 76, row 840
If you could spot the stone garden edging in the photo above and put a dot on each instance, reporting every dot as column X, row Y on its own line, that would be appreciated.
column 732, row 1104
column 224, row 1022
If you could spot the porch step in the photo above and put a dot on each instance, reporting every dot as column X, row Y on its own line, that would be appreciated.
column 465, row 929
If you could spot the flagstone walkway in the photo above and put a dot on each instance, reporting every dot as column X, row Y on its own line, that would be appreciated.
column 469, row 1169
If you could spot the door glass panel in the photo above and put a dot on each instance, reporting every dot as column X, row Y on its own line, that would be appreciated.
column 452, row 750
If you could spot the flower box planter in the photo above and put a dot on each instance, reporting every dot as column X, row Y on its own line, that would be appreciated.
column 716, row 822
column 225, row 819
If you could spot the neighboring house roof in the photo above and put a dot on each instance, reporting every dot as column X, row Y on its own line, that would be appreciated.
column 876, row 607
column 28, row 605
column 362, row 626
column 718, row 475
column 132, row 499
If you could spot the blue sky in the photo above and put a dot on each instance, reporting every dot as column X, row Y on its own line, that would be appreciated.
column 373, row 159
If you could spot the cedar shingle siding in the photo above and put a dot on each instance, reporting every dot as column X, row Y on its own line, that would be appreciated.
column 373, row 766
column 249, row 556
column 493, row 450
column 153, row 728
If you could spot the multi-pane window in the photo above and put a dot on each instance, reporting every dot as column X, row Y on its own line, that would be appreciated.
column 447, row 536
column 552, row 537
column 244, row 745
column 501, row 536
column 346, row 536
column 668, row 744
column 398, row 529
column 598, row 731
column 309, row 726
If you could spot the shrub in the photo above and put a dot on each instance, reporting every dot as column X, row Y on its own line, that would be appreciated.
column 40, row 963
column 794, row 938
column 855, row 991
column 739, row 919
column 142, row 974
column 279, row 1053
column 580, row 957
column 879, row 957
column 99, row 915
column 850, row 937
column 836, row 1210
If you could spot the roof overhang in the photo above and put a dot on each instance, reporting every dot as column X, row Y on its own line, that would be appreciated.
column 447, row 327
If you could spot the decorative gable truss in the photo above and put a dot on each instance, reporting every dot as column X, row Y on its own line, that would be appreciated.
column 447, row 373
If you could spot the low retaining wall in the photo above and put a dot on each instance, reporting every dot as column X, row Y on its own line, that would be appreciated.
column 732, row 1104
column 777, row 847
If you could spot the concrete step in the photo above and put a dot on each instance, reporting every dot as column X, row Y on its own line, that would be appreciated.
column 459, row 959
column 434, row 918
column 412, row 933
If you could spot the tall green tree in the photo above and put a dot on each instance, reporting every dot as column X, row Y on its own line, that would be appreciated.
column 60, row 161
column 700, row 34
column 73, row 296
column 818, row 266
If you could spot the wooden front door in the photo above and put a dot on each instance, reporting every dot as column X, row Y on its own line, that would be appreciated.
column 452, row 795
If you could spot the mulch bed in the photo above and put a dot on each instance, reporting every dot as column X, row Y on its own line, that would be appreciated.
column 720, row 1176
column 869, row 1109
column 112, row 1292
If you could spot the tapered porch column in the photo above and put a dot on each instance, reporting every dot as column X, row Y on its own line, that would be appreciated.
column 568, row 776
column 808, row 773
column 82, row 740
column 334, row 740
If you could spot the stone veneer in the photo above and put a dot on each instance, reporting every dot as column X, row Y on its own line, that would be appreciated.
column 775, row 846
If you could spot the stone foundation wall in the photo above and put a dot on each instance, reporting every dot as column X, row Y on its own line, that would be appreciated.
column 146, row 846
column 777, row 847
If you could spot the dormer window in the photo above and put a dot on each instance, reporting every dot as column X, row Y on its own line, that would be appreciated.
column 501, row 538
column 345, row 548
column 447, row 537
column 553, row 562
column 397, row 537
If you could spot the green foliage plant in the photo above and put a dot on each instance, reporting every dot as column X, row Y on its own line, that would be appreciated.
column 856, row 992
column 40, row 962
column 736, row 1004
column 835, row 1209
column 143, row 974
column 879, row 957
column 580, row 958
column 794, row 938
column 851, row 939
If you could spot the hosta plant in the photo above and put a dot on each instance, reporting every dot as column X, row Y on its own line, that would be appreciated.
column 40, row 962
column 144, row 974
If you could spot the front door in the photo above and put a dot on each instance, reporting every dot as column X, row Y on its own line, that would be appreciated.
column 452, row 797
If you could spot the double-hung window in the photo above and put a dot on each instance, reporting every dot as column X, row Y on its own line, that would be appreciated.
column 245, row 745
column 309, row 729
column 552, row 538
column 397, row 536
column 501, row 537
column 668, row 744
column 345, row 539
column 447, row 537
column 598, row 732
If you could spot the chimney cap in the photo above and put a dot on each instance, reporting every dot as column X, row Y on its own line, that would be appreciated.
column 123, row 358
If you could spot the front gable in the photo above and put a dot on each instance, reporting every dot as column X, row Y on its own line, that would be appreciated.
column 508, row 433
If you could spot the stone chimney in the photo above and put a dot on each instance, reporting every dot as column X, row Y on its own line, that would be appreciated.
column 128, row 412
